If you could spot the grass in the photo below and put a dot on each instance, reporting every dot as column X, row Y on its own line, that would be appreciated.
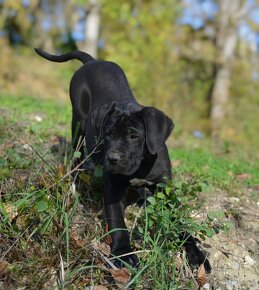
column 216, row 170
column 49, row 231
column 38, row 115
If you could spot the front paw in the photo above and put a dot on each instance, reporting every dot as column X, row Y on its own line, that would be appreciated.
column 122, row 258
column 196, row 257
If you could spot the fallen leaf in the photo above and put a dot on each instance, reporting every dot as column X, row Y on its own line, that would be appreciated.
column 11, row 210
column 100, row 287
column 201, row 276
column 61, row 169
column 243, row 176
column 81, row 242
column 9, row 145
column 107, row 238
column 121, row 275
column 178, row 262
column 3, row 267
column 105, row 248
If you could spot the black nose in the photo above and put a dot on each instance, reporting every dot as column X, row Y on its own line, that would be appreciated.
column 113, row 157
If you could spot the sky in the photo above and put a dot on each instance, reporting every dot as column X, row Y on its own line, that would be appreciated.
column 195, row 8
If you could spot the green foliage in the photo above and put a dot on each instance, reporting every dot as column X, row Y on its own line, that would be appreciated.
column 172, row 66
column 241, row 123
column 15, row 17
column 170, row 212
column 167, row 216
column 142, row 33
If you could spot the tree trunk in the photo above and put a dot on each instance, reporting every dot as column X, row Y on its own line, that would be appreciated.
column 220, row 91
column 92, row 28
column 41, row 37
column 226, row 43
column 90, row 45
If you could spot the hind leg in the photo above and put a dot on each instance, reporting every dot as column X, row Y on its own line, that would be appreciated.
column 78, row 145
column 78, row 134
column 80, row 101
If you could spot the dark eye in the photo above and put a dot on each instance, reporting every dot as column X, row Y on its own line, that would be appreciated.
column 133, row 136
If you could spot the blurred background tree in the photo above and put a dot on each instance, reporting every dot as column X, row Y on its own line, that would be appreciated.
column 222, row 29
column 195, row 59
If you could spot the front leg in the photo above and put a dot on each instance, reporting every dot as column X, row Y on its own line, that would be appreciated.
column 115, row 189
column 195, row 256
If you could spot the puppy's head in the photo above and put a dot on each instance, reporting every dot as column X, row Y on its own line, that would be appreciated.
column 130, row 136
column 124, row 140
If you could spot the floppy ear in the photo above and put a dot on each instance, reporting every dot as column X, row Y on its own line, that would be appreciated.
column 100, row 116
column 96, row 122
column 157, row 126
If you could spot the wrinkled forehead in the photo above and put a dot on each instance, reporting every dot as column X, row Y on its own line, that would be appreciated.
column 125, row 121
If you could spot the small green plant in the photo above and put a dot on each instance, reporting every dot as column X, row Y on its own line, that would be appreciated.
column 170, row 210
column 168, row 214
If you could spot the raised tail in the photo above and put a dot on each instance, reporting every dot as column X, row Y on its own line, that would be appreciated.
column 76, row 54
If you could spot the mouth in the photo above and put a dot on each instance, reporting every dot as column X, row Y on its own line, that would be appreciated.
column 120, row 168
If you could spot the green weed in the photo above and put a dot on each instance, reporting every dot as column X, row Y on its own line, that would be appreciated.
column 167, row 216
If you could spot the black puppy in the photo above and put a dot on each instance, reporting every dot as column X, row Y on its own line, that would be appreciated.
column 124, row 136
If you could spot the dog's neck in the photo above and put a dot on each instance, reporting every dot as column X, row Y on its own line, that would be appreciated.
column 145, row 166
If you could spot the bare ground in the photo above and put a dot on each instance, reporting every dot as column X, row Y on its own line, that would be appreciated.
column 235, row 256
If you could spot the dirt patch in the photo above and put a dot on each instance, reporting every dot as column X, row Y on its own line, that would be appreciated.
column 235, row 256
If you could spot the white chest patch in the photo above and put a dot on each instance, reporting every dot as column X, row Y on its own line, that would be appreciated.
column 140, row 182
